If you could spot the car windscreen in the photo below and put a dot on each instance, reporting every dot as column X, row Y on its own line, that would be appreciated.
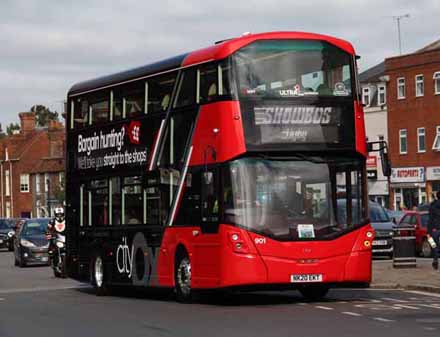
column 6, row 224
column 32, row 228
column 378, row 214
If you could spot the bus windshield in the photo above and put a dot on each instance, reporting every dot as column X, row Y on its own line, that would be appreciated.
column 293, row 68
column 304, row 198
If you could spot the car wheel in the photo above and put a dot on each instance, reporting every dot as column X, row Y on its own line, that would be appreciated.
column 426, row 249
column 22, row 262
column 182, row 278
column 98, row 276
column 314, row 292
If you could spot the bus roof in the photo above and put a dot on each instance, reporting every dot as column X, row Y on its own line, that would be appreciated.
column 212, row 53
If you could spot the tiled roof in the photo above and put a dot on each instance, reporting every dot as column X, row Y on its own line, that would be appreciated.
column 372, row 74
column 46, row 165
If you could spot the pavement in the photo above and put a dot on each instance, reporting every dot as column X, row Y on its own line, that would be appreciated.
column 423, row 277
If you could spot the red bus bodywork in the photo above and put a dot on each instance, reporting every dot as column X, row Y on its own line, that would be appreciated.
column 216, row 261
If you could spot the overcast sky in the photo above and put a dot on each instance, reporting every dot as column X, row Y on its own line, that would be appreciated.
column 48, row 45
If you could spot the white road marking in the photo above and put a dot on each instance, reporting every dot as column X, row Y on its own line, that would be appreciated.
column 351, row 313
column 422, row 293
column 2, row 299
column 323, row 308
column 394, row 300
column 38, row 289
column 375, row 301
column 429, row 328
column 435, row 306
column 380, row 319
column 406, row 306
column 342, row 302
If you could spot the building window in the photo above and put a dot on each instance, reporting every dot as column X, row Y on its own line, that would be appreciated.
column 381, row 96
column 366, row 96
column 401, row 88
column 61, row 180
column 403, row 148
column 24, row 182
column 437, row 83
column 421, row 146
column 419, row 86
column 8, row 209
column 46, row 182
column 7, row 184
column 436, row 145
column 37, row 183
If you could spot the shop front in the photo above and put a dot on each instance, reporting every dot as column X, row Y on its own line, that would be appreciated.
column 408, row 186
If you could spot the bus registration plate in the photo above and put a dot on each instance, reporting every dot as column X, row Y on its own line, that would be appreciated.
column 306, row 278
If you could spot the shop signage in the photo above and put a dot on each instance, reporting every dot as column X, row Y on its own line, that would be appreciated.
column 371, row 162
column 433, row 173
column 408, row 175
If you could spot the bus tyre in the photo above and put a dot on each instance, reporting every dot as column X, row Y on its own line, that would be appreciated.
column 313, row 292
column 182, row 277
column 98, row 276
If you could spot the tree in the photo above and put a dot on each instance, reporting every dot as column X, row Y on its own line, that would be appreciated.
column 43, row 115
column 2, row 134
column 11, row 128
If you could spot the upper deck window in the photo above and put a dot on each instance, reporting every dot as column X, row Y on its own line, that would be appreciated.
column 81, row 113
column 293, row 68
column 159, row 92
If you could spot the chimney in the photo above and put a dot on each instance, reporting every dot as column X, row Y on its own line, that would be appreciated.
column 27, row 121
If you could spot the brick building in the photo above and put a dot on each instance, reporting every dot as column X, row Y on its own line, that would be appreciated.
column 373, row 88
column 413, row 100
column 30, row 153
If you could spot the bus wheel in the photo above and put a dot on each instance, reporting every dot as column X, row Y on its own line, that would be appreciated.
column 182, row 278
column 98, row 278
column 313, row 292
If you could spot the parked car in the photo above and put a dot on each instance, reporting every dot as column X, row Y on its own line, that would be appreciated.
column 395, row 216
column 383, row 228
column 423, row 207
column 7, row 233
column 30, row 244
column 420, row 222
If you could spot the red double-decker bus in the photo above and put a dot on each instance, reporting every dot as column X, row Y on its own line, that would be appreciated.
column 237, row 166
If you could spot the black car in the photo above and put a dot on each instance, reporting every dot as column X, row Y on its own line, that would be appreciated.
column 383, row 228
column 30, row 244
column 7, row 233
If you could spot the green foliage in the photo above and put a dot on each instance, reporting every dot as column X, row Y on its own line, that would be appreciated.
column 11, row 128
column 59, row 191
column 43, row 115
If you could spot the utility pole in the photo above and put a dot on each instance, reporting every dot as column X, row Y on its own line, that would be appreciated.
column 398, row 18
